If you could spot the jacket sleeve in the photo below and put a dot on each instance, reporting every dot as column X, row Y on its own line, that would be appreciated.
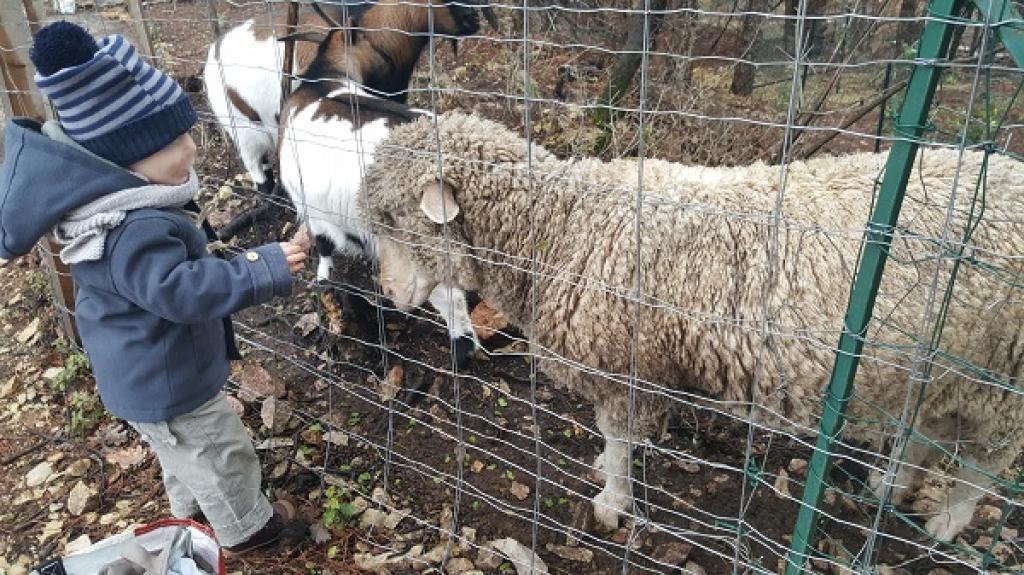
column 149, row 265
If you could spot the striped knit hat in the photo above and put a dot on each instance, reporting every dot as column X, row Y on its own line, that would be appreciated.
column 107, row 98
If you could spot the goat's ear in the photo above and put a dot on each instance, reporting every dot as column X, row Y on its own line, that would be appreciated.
column 438, row 202
column 317, row 37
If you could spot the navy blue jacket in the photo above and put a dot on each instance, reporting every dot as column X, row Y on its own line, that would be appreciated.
column 150, row 312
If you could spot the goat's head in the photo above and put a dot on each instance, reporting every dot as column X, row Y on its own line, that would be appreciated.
column 446, row 17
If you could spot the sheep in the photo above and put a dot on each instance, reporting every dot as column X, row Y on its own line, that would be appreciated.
column 561, row 237
column 243, row 69
column 329, row 129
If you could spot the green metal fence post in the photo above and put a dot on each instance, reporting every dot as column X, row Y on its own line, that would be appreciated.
column 935, row 40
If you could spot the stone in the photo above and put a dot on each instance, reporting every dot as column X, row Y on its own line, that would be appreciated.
column 77, row 544
column 458, row 565
column 39, row 474
column 81, row 498
column 522, row 558
column 395, row 517
column 488, row 559
column 578, row 554
column 468, row 539
column 274, row 414
column 798, row 466
column 336, row 438
column 372, row 518
column 673, row 553
column 782, row 484
column 694, row 569
column 78, row 468
column 436, row 554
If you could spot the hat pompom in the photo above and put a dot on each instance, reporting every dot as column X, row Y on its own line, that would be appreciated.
column 61, row 45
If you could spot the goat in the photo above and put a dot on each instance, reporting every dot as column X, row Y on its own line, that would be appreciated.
column 330, row 127
column 243, row 71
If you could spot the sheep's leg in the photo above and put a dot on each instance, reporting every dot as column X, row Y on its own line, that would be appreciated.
column 450, row 302
column 957, row 510
column 617, row 495
column 910, row 472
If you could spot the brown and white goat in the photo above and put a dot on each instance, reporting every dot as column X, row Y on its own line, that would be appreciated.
column 329, row 132
column 243, row 67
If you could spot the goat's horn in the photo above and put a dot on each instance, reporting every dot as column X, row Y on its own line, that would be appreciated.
column 323, row 15
column 315, row 37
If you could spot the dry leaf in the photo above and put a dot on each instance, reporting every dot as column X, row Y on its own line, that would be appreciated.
column 390, row 387
column 487, row 321
column 335, row 323
column 127, row 457
column 29, row 332
column 319, row 533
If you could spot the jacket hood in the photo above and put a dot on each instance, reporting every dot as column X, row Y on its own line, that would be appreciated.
column 43, row 179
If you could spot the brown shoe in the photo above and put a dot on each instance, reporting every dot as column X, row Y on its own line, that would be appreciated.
column 284, row 512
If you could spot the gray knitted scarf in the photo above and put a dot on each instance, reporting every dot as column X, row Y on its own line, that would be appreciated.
column 83, row 231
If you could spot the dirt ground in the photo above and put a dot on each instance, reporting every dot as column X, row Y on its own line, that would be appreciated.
column 382, row 475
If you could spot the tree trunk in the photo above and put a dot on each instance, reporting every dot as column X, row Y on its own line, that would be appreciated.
column 908, row 31
column 626, row 64
column 744, row 72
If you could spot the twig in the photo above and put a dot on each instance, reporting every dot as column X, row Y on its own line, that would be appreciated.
column 857, row 115
column 12, row 458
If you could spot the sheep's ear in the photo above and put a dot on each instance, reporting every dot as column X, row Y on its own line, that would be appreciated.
column 438, row 202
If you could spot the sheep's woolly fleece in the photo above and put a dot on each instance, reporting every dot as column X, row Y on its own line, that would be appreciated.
column 733, row 304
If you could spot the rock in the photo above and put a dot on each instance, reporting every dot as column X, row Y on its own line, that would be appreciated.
column 50, row 530
column 372, row 518
column 39, row 474
column 236, row 405
column 78, row 468
column 275, row 443
column 395, row 517
column 1008, row 534
column 336, row 438
column 127, row 457
column 77, row 544
column 381, row 497
column 468, row 539
column 694, row 569
column 579, row 554
column 51, row 373
column 488, row 559
column 436, row 554
column 30, row 331
column 254, row 382
column 80, row 498
column 798, row 466
column 274, row 414
column 519, row 490
column 392, row 384
column 458, row 565
column 673, row 553
column 520, row 556
column 447, row 520
column 782, row 484
column 477, row 466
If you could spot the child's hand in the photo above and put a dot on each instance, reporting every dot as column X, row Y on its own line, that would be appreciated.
column 295, row 255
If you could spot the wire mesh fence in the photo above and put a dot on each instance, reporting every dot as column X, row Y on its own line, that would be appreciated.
column 712, row 168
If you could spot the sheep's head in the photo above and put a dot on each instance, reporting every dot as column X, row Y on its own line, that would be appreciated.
column 421, row 246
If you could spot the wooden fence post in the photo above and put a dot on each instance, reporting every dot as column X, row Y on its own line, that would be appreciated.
column 141, row 32
column 21, row 99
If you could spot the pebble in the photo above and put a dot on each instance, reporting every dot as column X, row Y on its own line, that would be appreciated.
column 80, row 498
column 374, row 518
column 39, row 474
column 797, row 465
column 458, row 565
column 79, row 468
column 579, row 554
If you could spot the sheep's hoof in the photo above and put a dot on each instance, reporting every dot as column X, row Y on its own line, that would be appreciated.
column 607, row 507
column 464, row 347
column 946, row 525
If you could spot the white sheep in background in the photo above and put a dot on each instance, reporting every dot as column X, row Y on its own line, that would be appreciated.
column 329, row 130
column 243, row 68
column 705, row 278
